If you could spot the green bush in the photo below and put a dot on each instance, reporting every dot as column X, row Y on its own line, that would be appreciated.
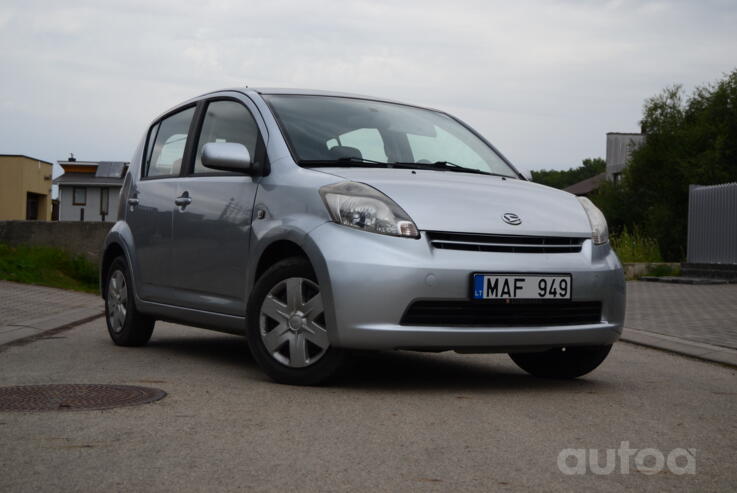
column 47, row 266
column 663, row 270
column 564, row 178
column 690, row 139
column 635, row 247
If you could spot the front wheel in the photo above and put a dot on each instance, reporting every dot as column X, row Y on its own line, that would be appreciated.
column 286, row 328
column 567, row 362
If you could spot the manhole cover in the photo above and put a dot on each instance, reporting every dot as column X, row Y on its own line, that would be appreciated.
column 74, row 397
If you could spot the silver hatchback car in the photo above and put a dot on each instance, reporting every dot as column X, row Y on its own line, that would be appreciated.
column 314, row 223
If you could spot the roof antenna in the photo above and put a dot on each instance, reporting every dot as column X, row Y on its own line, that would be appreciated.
column 71, row 157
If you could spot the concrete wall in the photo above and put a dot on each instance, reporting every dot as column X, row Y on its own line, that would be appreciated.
column 75, row 237
column 70, row 212
column 633, row 270
column 18, row 176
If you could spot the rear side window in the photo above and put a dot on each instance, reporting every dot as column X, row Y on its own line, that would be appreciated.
column 165, row 157
column 226, row 121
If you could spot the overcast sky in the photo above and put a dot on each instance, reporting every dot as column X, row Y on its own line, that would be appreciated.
column 543, row 80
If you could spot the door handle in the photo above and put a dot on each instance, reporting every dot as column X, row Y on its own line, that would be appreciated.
column 133, row 201
column 183, row 200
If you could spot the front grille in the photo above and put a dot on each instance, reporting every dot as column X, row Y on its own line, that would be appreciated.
column 501, row 314
column 504, row 243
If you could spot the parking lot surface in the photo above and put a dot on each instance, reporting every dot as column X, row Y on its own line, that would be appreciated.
column 395, row 421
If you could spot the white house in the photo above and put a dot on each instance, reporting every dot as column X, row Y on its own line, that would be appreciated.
column 88, row 190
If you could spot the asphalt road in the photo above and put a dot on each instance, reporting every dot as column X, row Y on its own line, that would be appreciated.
column 395, row 421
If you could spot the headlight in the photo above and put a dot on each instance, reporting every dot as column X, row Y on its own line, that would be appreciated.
column 363, row 207
column 599, row 228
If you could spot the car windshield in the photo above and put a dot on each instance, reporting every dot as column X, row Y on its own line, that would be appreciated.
column 335, row 131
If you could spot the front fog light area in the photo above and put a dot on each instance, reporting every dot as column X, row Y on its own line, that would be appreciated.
column 362, row 207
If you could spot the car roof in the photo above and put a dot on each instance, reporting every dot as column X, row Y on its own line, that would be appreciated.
column 310, row 92
column 285, row 91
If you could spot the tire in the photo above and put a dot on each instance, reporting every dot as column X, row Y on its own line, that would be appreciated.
column 569, row 362
column 125, row 324
column 286, row 329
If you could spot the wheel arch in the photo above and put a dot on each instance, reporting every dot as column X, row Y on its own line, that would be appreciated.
column 294, row 244
column 276, row 252
column 115, row 246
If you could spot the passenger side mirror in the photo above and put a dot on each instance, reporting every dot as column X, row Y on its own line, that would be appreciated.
column 227, row 156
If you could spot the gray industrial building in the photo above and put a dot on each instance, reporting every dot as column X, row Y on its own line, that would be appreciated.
column 88, row 190
column 619, row 147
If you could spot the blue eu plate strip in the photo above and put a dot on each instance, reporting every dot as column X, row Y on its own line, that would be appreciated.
column 478, row 287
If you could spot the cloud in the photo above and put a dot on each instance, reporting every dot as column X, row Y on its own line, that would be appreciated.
column 543, row 80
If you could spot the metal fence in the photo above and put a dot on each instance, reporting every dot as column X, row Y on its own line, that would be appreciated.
column 712, row 224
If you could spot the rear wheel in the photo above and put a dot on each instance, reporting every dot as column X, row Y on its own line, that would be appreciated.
column 287, row 333
column 125, row 324
column 568, row 362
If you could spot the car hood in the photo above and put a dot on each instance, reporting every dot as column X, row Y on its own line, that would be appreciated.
column 474, row 203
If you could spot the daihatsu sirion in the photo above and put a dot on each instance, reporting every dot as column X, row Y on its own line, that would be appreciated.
column 314, row 223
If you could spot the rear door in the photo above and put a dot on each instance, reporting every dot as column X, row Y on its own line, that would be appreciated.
column 212, row 230
column 151, row 204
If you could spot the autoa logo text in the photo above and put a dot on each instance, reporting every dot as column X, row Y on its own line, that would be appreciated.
column 648, row 461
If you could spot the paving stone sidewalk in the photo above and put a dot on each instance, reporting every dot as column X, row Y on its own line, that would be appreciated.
column 705, row 314
column 702, row 314
column 26, row 310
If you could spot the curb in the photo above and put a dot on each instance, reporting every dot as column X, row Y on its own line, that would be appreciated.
column 22, row 333
column 685, row 280
column 706, row 352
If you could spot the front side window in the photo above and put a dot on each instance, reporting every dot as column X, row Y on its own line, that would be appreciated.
column 169, row 143
column 79, row 196
column 226, row 121
column 328, row 131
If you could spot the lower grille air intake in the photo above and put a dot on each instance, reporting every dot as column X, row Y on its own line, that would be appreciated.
column 500, row 314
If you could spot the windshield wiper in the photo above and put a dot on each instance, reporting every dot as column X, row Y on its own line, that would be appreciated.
column 344, row 161
column 354, row 161
column 360, row 162
column 449, row 166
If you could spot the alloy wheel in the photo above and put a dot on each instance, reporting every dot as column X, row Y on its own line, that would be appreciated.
column 117, row 301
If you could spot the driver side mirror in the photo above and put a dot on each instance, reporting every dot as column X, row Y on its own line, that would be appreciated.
column 227, row 156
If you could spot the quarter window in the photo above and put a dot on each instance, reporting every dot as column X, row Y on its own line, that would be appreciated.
column 169, row 143
column 226, row 121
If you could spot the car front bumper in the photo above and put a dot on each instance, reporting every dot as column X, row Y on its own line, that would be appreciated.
column 369, row 280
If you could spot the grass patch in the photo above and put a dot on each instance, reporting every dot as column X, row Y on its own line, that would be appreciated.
column 635, row 247
column 47, row 266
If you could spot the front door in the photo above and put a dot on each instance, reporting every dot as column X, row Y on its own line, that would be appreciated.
column 212, row 226
column 151, row 205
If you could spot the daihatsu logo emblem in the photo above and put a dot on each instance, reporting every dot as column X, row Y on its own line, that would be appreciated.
column 512, row 219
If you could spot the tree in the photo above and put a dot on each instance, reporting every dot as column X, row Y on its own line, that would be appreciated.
column 689, row 140
column 565, row 178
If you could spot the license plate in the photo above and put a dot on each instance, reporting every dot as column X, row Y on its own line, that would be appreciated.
column 521, row 287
